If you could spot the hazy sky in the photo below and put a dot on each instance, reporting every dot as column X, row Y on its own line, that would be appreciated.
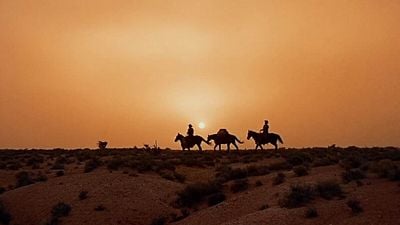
column 73, row 72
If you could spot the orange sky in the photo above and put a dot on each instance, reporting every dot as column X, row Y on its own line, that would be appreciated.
column 73, row 72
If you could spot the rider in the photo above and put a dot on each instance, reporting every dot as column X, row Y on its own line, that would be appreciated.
column 265, row 128
column 190, row 131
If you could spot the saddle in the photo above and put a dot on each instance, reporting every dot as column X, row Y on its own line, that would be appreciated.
column 223, row 132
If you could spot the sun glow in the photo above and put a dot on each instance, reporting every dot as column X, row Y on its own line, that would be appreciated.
column 202, row 125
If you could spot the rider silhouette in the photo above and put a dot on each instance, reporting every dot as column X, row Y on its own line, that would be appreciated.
column 265, row 128
column 190, row 131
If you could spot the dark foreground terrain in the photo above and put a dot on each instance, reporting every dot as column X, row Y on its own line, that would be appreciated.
column 155, row 187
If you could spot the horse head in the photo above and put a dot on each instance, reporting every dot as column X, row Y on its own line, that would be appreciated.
column 249, row 134
column 179, row 137
column 209, row 138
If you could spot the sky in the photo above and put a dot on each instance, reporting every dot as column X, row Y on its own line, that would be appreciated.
column 74, row 72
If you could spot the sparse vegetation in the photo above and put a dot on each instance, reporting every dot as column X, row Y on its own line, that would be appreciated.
column 91, row 165
column 60, row 173
column 5, row 217
column 23, row 179
column 161, row 220
column 298, row 195
column 329, row 189
column 240, row 185
column 60, row 210
column 100, row 208
column 83, row 195
column 195, row 193
column 278, row 179
column 355, row 206
column 353, row 174
column 264, row 207
column 300, row 171
column 2, row 190
column 216, row 198
column 311, row 212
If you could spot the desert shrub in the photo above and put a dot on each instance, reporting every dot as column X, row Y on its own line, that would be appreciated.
column 300, row 171
column 195, row 193
column 240, row 185
column 60, row 173
column 57, row 166
column 83, row 195
column 190, row 161
column 100, row 208
column 91, row 165
column 168, row 175
column 280, row 166
column 60, row 210
column 5, row 216
column 311, row 212
column 354, row 205
column 353, row 174
column 14, row 165
column 386, row 169
column 298, row 158
column 115, row 164
column 161, row 220
column 226, row 173
column 394, row 174
column 352, row 162
column 23, row 179
column 258, row 183
column 164, row 165
column 278, row 179
column 145, row 164
column 297, row 196
column 329, row 189
column 325, row 161
column 257, row 170
column 179, row 177
column 2, row 190
column 216, row 198
column 40, row 177
column 263, row 207
column 34, row 161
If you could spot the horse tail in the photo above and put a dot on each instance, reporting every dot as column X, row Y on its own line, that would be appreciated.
column 241, row 142
column 280, row 139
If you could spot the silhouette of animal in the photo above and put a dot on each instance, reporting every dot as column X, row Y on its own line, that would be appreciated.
column 262, row 139
column 190, row 142
column 102, row 145
column 227, row 139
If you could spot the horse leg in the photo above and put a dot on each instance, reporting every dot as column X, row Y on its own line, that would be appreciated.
column 261, row 147
column 219, row 147
column 237, row 148
column 199, row 145
column 228, row 146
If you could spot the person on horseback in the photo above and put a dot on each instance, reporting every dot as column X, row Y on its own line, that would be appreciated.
column 190, row 131
column 265, row 129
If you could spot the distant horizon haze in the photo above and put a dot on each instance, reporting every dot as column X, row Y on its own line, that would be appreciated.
column 131, row 72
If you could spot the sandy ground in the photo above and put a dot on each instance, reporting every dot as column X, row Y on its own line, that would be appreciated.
column 138, row 198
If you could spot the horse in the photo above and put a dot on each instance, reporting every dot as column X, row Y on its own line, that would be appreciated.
column 190, row 142
column 262, row 139
column 227, row 139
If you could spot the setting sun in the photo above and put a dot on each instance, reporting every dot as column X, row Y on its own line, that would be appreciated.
column 202, row 125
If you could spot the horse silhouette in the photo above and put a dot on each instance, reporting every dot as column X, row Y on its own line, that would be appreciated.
column 262, row 139
column 227, row 139
column 190, row 141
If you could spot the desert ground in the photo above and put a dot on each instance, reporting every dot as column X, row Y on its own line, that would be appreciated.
column 316, row 186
